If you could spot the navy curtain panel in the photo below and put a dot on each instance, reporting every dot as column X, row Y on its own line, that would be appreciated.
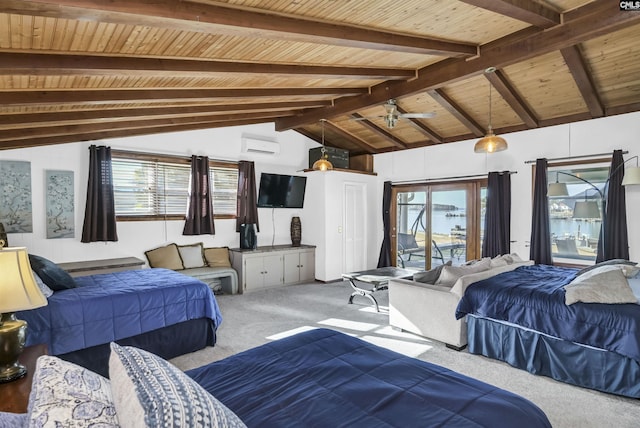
column 614, row 240
column 497, row 220
column 385, row 252
column 540, row 249
column 247, row 205
column 199, row 219
column 100, row 212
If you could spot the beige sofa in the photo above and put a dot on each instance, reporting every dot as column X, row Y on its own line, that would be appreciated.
column 429, row 310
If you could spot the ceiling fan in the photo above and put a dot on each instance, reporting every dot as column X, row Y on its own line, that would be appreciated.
column 392, row 115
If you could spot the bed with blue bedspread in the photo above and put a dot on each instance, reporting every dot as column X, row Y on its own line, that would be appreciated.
column 521, row 317
column 324, row 378
column 159, row 310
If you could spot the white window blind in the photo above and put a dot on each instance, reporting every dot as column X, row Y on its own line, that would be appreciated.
column 152, row 188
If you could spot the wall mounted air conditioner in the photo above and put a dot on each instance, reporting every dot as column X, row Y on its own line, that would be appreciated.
column 256, row 145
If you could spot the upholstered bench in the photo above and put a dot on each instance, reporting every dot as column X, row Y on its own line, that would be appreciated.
column 209, row 265
column 224, row 278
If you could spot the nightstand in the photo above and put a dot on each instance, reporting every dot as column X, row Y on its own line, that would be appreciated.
column 14, row 396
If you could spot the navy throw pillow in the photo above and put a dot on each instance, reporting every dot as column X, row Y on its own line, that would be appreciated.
column 51, row 274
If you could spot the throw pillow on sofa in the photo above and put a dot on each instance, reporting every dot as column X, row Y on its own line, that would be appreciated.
column 192, row 256
column 430, row 276
column 167, row 257
column 450, row 274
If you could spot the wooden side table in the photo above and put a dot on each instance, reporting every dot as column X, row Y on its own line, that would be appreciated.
column 14, row 396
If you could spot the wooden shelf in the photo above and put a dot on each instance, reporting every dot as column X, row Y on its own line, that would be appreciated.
column 355, row 171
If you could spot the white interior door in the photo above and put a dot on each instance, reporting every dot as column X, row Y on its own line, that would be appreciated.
column 355, row 226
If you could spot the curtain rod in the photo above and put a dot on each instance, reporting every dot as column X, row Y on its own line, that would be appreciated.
column 595, row 155
column 430, row 180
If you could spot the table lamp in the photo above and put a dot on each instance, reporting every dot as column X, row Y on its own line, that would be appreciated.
column 18, row 291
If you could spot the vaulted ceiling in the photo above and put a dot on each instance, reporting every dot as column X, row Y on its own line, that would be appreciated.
column 78, row 70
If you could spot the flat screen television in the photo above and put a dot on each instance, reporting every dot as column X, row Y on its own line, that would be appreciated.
column 281, row 191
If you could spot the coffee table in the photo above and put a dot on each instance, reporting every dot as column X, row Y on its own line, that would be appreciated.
column 378, row 279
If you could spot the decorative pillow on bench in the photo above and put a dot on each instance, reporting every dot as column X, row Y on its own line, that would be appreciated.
column 192, row 255
column 167, row 257
column 217, row 257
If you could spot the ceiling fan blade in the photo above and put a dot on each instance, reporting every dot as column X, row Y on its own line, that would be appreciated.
column 366, row 117
column 417, row 115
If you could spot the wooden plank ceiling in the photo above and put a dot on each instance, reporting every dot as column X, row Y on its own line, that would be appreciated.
column 78, row 70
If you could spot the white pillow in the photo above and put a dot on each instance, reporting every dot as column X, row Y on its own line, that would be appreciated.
column 606, row 284
column 67, row 395
column 498, row 261
column 450, row 274
column 44, row 288
column 192, row 255
column 150, row 392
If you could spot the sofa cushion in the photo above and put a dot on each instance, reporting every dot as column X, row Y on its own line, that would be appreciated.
column 64, row 394
column 430, row 276
column 167, row 257
column 217, row 257
column 150, row 392
column 191, row 255
column 51, row 274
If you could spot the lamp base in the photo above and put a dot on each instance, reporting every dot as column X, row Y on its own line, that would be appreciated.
column 13, row 333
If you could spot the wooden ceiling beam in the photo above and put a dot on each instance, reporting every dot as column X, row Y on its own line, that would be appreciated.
column 97, row 96
column 368, row 148
column 75, row 116
column 527, row 11
column 379, row 131
column 102, row 135
column 227, row 20
column 592, row 20
column 43, row 64
column 581, row 75
column 511, row 96
column 58, row 130
column 417, row 124
column 453, row 108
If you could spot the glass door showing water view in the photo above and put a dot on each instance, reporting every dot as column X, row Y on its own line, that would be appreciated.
column 435, row 224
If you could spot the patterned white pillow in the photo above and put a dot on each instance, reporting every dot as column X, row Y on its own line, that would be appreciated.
column 150, row 392
column 44, row 288
column 65, row 394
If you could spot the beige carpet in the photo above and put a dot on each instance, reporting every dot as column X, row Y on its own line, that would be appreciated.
column 255, row 318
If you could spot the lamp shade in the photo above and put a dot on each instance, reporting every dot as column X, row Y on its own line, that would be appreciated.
column 490, row 143
column 631, row 176
column 557, row 189
column 18, row 288
column 586, row 209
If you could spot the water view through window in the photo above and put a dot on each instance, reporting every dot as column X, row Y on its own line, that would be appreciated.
column 576, row 196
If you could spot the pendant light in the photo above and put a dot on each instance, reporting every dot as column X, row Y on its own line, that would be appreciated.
column 490, row 143
column 323, row 163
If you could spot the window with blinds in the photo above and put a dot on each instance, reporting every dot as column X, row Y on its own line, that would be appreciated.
column 148, row 187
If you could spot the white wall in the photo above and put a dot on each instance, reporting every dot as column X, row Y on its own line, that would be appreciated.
column 137, row 237
column 581, row 138
column 320, row 226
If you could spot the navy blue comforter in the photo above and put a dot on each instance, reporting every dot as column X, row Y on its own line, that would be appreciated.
column 324, row 378
column 113, row 306
column 533, row 297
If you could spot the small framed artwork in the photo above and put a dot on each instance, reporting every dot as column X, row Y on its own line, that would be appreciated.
column 15, row 196
column 59, row 204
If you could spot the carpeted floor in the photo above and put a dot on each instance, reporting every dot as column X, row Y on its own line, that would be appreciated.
column 255, row 318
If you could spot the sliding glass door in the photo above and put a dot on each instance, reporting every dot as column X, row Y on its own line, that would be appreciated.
column 436, row 223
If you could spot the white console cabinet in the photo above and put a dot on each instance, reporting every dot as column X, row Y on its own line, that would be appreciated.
column 273, row 266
